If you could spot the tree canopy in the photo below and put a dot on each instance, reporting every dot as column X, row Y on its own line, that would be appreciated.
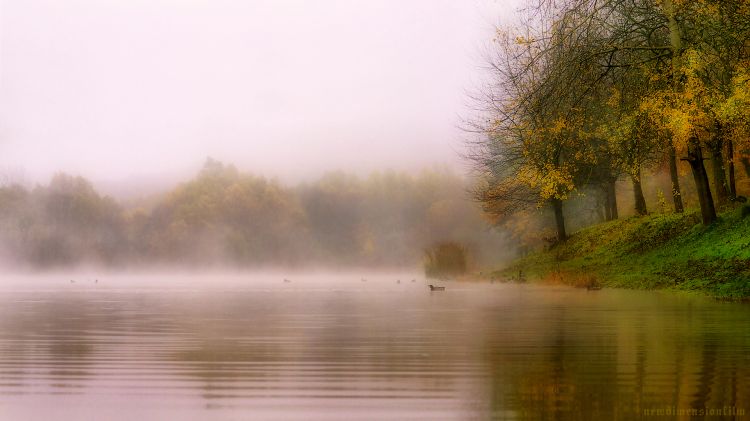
column 583, row 93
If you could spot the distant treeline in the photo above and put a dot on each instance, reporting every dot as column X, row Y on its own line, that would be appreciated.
column 223, row 216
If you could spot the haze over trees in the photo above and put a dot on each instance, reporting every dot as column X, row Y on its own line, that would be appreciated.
column 590, row 99
column 225, row 217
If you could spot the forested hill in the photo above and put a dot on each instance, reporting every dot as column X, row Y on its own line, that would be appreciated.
column 226, row 217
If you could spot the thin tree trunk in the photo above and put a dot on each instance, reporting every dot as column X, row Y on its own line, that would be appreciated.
column 601, row 212
column 675, row 42
column 730, row 163
column 612, row 195
column 601, row 208
column 720, row 180
column 676, row 193
column 607, row 207
column 557, row 206
column 717, row 167
column 702, row 186
column 640, row 201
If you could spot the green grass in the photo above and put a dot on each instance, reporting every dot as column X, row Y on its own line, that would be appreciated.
column 665, row 251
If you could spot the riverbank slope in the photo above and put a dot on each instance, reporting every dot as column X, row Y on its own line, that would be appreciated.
column 664, row 251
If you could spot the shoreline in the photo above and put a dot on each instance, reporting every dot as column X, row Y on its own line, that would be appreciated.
column 654, row 252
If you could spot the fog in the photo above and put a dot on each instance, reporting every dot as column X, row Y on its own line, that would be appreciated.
column 140, row 92
column 228, row 218
column 243, row 133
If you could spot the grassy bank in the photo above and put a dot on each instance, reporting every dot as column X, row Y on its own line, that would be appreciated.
column 673, row 251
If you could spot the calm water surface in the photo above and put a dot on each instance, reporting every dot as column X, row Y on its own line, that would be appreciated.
column 331, row 347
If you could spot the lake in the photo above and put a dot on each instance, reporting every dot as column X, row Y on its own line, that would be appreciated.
column 336, row 347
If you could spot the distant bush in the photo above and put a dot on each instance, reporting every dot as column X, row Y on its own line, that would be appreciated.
column 445, row 259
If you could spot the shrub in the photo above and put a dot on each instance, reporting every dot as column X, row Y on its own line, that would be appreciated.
column 445, row 259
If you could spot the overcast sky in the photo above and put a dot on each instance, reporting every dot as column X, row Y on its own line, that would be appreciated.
column 132, row 89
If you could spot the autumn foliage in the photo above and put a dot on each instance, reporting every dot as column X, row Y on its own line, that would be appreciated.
column 226, row 217
column 584, row 94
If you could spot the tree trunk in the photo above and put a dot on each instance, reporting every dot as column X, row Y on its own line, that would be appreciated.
column 676, row 193
column 717, row 167
column 695, row 159
column 612, row 196
column 607, row 207
column 730, row 162
column 557, row 206
column 602, row 211
column 720, row 180
column 640, row 201
column 675, row 42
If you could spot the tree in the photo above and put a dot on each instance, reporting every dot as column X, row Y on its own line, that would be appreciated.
column 533, row 146
column 637, row 36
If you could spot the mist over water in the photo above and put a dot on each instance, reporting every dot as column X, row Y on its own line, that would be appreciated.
column 357, row 346
column 237, row 134
column 224, row 217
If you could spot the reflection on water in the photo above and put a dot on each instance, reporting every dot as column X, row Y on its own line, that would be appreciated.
column 332, row 347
